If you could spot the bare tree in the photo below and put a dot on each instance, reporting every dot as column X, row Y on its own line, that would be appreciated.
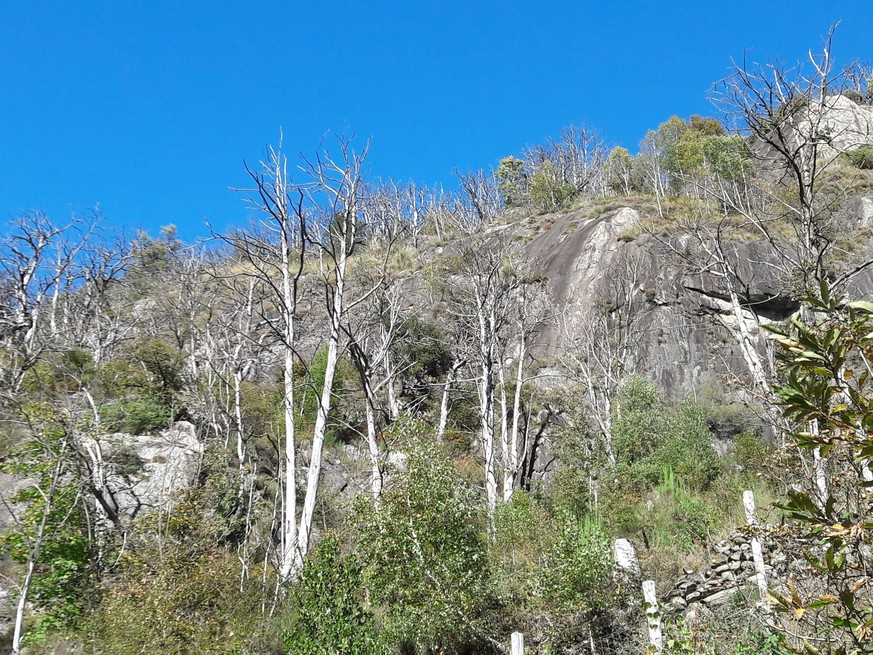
column 578, row 158
column 37, row 258
column 798, row 123
column 604, row 347
column 528, row 313
column 276, row 260
column 371, row 336
column 336, row 197
column 492, row 302
column 481, row 202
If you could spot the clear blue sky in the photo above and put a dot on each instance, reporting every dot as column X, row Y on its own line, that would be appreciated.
column 149, row 108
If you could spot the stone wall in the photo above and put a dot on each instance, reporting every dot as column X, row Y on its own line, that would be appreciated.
column 729, row 570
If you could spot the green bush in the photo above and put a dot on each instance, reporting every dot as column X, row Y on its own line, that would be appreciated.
column 861, row 157
column 426, row 563
column 175, row 600
column 649, row 436
column 60, row 588
column 329, row 616
column 579, row 575
column 135, row 415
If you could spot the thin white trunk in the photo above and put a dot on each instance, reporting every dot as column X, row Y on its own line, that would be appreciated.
column 444, row 402
column 237, row 417
column 757, row 554
column 373, row 444
column 486, row 414
column 514, row 462
column 747, row 346
column 22, row 605
column 314, row 474
column 819, row 468
column 504, row 430
column 393, row 402
column 35, row 551
column 289, row 542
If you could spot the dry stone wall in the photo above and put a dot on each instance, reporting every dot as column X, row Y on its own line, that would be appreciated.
column 730, row 569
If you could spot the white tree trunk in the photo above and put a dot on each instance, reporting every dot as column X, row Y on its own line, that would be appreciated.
column 444, row 401
column 514, row 459
column 314, row 473
column 757, row 554
column 486, row 412
column 22, row 605
column 504, row 429
column 373, row 445
column 747, row 346
column 290, row 556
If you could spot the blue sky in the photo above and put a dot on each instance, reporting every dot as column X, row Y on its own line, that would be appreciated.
column 148, row 109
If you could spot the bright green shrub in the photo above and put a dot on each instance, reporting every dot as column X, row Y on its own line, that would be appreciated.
column 579, row 574
column 329, row 616
column 59, row 590
column 426, row 563
column 727, row 156
column 135, row 415
column 649, row 436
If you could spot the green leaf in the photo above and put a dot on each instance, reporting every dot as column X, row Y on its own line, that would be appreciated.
column 862, row 305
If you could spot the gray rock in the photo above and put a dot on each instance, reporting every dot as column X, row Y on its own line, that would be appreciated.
column 169, row 462
column 721, row 597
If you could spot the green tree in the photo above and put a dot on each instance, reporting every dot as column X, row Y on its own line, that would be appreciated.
column 547, row 191
column 828, row 366
column 51, row 533
column 619, row 170
column 728, row 157
column 512, row 181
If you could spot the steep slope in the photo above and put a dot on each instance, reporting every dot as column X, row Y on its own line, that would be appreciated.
column 651, row 291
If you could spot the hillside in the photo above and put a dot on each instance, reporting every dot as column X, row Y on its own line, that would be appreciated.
column 391, row 419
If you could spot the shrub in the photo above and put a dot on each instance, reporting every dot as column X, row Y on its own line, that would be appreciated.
column 861, row 157
column 177, row 601
column 135, row 415
column 649, row 437
column 580, row 565
column 59, row 591
column 328, row 614
column 426, row 561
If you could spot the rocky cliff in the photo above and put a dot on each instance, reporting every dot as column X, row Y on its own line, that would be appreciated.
column 674, row 315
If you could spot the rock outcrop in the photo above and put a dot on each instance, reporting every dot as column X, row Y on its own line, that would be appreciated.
column 835, row 125
column 147, row 471
column 678, row 315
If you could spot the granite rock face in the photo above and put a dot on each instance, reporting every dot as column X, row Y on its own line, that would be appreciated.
column 609, row 264
column 147, row 471
column 835, row 125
